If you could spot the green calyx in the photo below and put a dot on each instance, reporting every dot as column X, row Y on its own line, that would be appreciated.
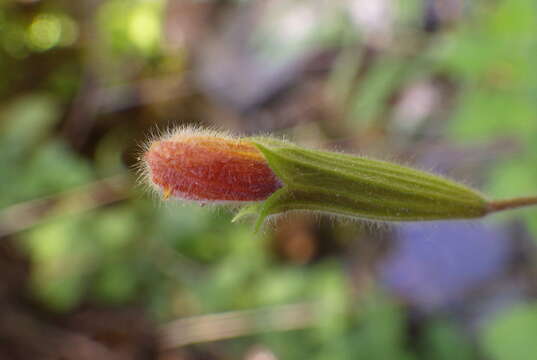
column 340, row 184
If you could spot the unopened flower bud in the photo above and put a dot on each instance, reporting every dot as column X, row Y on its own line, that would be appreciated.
column 205, row 168
column 282, row 177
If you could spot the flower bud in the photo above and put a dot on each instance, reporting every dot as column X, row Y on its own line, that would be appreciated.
column 211, row 167
column 195, row 166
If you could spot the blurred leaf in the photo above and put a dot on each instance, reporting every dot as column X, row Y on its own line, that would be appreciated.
column 53, row 169
column 27, row 120
column 511, row 335
column 61, row 256
column 377, row 332
column 484, row 113
column 373, row 94
column 513, row 178
column 131, row 26
column 443, row 341
column 116, row 284
column 330, row 288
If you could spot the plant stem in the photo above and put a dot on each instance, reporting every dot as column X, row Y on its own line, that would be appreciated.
column 514, row 203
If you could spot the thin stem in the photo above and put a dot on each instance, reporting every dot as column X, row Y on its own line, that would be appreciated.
column 220, row 326
column 508, row 204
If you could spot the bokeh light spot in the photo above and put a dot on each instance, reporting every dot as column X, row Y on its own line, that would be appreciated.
column 69, row 33
column 45, row 32
column 144, row 27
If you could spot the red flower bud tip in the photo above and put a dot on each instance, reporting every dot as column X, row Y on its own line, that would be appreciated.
column 208, row 167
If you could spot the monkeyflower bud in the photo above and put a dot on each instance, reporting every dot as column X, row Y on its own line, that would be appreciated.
column 199, row 166
column 279, row 176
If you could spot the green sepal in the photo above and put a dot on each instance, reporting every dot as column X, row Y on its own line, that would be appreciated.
column 359, row 187
column 246, row 211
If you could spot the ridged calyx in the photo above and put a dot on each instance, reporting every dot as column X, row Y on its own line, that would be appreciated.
column 359, row 187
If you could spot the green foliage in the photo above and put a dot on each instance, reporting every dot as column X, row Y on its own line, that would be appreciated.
column 35, row 165
column 444, row 341
column 510, row 335
column 131, row 26
column 182, row 260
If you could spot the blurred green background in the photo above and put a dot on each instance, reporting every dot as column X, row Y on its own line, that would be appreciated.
column 93, row 267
